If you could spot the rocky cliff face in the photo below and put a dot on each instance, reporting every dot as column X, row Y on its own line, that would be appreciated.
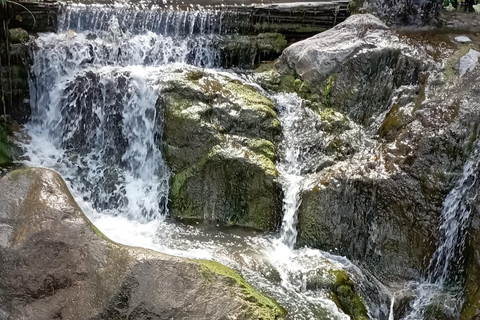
column 407, row 129
column 56, row 264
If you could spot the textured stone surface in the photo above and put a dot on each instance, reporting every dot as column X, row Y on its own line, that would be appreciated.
column 56, row 265
column 408, row 126
column 220, row 144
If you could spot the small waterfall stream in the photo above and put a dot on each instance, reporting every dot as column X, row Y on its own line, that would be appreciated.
column 447, row 261
column 290, row 168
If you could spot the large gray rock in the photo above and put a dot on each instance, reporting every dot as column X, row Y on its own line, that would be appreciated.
column 354, row 67
column 56, row 265
column 407, row 125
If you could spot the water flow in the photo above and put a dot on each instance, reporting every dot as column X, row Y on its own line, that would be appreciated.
column 447, row 262
column 165, row 20
column 455, row 213
column 290, row 168
column 107, row 140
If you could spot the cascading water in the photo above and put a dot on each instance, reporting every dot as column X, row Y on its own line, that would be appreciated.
column 97, row 118
column 290, row 169
column 446, row 263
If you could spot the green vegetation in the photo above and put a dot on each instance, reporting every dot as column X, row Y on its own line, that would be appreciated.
column 5, row 148
column 344, row 295
column 264, row 307
column 327, row 91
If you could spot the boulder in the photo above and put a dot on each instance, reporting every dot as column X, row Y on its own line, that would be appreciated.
column 56, row 265
column 404, row 123
column 357, row 65
column 219, row 141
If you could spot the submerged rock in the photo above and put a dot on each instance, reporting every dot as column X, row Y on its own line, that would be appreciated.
column 220, row 144
column 56, row 265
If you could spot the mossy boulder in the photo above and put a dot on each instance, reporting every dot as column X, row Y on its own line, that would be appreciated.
column 56, row 264
column 346, row 298
column 220, row 140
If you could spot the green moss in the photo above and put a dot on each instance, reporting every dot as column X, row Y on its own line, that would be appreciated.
column 268, row 42
column 391, row 122
column 344, row 295
column 195, row 75
column 263, row 147
column 266, row 308
column 327, row 91
column 251, row 98
column 5, row 148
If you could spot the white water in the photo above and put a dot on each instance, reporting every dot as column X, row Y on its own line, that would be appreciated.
column 98, row 121
column 446, row 264
column 290, row 168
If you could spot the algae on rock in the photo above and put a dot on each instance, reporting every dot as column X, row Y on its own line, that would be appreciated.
column 220, row 140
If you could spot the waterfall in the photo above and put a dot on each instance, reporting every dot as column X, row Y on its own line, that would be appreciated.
column 447, row 260
column 455, row 213
column 94, row 99
column 289, row 106
column 172, row 21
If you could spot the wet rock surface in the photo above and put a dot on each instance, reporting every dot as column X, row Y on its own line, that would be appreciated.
column 380, row 203
column 56, row 264
column 405, row 12
column 220, row 144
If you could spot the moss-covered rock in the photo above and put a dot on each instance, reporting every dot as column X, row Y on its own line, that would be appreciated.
column 345, row 296
column 262, row 306
column 18, row 35
column 56, row 264
column 220, row 143
column 246, row 51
